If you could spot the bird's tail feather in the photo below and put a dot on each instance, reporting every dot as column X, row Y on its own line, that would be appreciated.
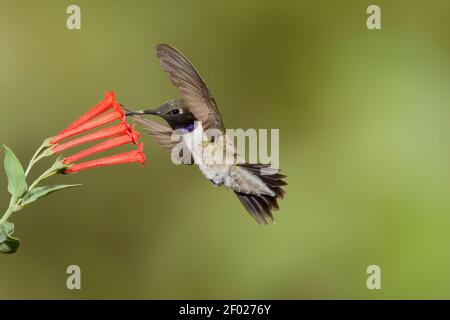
column 261, row 206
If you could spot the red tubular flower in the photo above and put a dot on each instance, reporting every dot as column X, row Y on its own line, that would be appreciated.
column 105, row 104
column 115, row 114
column 103, row 146
column 108, row 132
column 126, row 157
column 103, row 113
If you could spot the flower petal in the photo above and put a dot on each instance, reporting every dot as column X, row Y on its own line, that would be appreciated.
column 105, row 104
column 107, row 132
column 126, row 157
column 116, row 114
column 103, row 146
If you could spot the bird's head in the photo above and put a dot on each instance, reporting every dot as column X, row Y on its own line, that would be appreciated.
column 175, row 113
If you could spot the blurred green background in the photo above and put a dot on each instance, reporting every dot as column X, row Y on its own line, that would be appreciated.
column 364, row 138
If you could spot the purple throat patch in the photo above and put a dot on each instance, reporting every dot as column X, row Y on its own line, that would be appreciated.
column 189, row 127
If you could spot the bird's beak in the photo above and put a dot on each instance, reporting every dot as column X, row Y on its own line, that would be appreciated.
column 155, row 112
column 160, row 111
column 143, row 112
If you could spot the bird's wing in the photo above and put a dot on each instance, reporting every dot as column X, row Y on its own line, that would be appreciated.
column 161, row 133
column 196, row 95
column 163, row 136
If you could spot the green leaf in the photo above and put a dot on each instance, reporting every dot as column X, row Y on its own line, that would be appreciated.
column 9, row 227
column 3, row 233
column 6, row 229
column 8, row 244
column 17, row 184
column 40, row 192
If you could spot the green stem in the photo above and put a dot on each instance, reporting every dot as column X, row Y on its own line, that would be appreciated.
column 6, row 215
column 14, row 203
column 50, row 172
column 38, row 155
column 11, row 209
column 33, row 161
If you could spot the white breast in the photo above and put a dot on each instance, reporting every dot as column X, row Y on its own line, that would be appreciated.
column 207, row 155
column 222, row 170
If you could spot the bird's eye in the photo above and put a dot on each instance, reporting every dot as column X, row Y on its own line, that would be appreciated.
column 175, row 111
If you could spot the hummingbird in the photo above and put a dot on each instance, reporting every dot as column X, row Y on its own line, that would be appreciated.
column 257, row 189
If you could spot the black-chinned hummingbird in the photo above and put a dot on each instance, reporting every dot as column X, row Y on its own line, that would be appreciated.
column 258, row 191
